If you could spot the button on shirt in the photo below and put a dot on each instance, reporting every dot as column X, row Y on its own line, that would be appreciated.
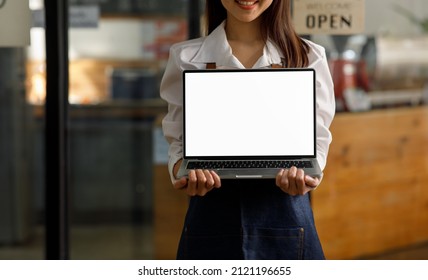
column 194, row 54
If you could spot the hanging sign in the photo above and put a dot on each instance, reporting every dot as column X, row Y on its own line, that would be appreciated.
column 79, row 17
column 14, row 23
column 335, row 17
column 84, row 16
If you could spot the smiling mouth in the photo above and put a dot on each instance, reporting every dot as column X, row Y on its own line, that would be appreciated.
column 246, row 3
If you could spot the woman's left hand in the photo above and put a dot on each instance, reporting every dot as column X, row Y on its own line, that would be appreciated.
column 294, row 182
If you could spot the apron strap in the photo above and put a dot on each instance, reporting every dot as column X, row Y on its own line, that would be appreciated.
column 213, row 65
column 282, row 65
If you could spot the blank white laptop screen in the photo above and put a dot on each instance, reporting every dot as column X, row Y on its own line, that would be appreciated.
column 249, row 113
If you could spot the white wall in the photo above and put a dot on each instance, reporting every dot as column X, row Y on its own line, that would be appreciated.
column 381, row 18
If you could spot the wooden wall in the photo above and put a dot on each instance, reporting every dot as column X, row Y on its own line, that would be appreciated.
column 374, row 195
column 170, row 208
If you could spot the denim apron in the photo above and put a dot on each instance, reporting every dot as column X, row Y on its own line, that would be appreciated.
column 249, row 220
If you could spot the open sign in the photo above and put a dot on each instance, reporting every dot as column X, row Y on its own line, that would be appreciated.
column 329, row 16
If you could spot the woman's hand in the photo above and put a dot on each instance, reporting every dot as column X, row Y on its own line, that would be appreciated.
column 294, row 182
column 198, row 182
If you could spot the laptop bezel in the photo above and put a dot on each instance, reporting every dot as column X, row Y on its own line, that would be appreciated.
column 254, row 157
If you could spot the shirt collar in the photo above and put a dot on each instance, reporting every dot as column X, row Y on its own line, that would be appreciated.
column 215, row 48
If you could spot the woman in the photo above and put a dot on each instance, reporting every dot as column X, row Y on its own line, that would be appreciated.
column 247, row 219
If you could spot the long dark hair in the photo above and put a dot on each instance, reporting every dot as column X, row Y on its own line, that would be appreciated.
column 276, row 25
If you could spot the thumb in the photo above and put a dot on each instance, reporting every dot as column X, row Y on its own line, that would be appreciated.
column 311, row 182
column 180, row 183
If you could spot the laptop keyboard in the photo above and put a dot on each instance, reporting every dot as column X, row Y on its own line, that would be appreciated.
column 238, row 164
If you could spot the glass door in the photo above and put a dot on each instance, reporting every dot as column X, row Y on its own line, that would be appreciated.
column 117, row 54
column 120, row 199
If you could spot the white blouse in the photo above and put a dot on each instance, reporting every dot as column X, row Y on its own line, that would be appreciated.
column 194, row 54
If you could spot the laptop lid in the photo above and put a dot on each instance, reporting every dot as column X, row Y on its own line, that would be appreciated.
column 249, row 114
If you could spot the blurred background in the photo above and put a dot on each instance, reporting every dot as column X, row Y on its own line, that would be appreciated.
column 372, row 204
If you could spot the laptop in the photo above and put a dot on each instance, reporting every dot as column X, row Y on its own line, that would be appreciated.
column 249, row 123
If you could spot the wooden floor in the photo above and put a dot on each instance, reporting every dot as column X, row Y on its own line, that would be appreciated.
column 414, row 252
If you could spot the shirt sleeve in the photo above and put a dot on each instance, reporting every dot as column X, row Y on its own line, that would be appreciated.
column 171, row 90
column 325, row 107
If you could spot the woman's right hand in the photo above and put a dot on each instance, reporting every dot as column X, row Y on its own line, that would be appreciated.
column 198, row 182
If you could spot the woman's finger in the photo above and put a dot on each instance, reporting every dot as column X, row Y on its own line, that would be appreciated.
column 210, row 180
column 278, row 177
column 300, row 182
column 292, row 173
column 180, row 183
column 217, row 180
column 192, row 183
column 311, row 182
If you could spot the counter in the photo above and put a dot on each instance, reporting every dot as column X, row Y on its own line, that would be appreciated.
column 374, row 197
